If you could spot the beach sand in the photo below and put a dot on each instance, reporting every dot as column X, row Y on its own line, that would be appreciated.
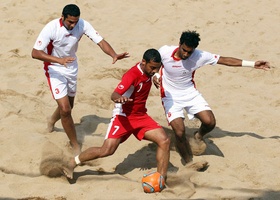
column 242, row 151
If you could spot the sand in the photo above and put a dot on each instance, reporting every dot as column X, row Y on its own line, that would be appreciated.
column 242, row 151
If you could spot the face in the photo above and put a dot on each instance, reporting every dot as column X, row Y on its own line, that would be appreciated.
column 184, row 52
column 70, row 22
column 150, row 68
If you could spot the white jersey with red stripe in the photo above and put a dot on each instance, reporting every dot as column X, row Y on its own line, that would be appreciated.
column 178, row 75
column 56, row 40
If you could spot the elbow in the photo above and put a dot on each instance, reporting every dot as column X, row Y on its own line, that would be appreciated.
column 112, row 98
column 34, row 54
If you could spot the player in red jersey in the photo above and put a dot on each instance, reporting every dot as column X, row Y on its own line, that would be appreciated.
column 130, row 116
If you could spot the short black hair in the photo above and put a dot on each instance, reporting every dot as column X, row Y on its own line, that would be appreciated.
column 190, row 38
column 72, row 10
column 152, row 55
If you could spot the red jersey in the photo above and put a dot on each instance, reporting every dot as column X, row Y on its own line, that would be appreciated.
column 135, row 84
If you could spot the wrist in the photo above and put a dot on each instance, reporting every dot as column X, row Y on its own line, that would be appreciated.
column 157, row 75
column 246, row 63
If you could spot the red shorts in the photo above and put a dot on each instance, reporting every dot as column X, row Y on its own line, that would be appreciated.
column 122, row 127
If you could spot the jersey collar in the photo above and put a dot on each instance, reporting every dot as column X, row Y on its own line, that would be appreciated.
column 173, row 54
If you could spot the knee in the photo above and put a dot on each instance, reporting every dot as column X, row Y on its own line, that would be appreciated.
column 179, row 133
column 209, row 122
column 65, row 111
column 165, row 143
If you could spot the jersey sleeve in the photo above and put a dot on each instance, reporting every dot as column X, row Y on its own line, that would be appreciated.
column 125, row 84
column 44, row 37
column 162, row 50
column 210, row 59
column 90, row 32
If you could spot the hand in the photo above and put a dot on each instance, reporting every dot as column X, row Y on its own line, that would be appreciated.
column 122, row 99
column 262, row 65
column 156, row 81
column 120, row 56
column 65, row 60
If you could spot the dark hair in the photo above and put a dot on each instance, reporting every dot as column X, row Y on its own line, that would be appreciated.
column 152, row 55
column 190, row 39
column 72, row 10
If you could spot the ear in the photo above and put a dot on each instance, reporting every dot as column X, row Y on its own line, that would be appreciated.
column 144, row 61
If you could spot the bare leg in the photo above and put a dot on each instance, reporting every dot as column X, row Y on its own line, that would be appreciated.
column 52, row 120
column 108, row 148
column 163, row 153
column 182, row 143
column 67, row 122
column 208, row 123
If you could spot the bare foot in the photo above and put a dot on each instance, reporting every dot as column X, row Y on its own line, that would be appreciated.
column 198, row 166
column 50, row 125
column 69, row 169
column 198, row 146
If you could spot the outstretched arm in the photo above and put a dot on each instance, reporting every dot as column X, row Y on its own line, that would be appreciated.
column 106, row 48
column 235, row 62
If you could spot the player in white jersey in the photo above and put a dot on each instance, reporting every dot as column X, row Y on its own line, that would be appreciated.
column 179, row 93
column 56, row 45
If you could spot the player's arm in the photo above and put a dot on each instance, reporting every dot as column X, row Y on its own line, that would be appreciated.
column 117, row 98
column 41, row 55
column 106, row 48
column 235, row 62
column 229, row 61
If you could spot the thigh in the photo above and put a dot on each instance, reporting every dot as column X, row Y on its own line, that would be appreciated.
column 71, row 85
column 178, row 126
column 119, row 128
column 143, row 124
column 173, row 109
column 64, row 104
column 156, row 135
column 197, row 105
column 71, row 100
column 206, row 116
column 57, row 84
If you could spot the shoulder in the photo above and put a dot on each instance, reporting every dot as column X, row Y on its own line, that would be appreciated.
column 50, row 28
column 84, row 23
column 52, row 25
column 201, row 53
column 54, row 22
column 204, row 56
column 166, row 49
column 133, row 71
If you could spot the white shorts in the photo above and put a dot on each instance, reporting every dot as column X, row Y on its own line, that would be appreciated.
column 193, row 103
column 61, row 84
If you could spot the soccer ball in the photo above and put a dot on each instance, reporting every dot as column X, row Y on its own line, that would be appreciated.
column 153, row 182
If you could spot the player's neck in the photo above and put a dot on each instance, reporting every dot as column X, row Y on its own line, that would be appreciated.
column 176, row 55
